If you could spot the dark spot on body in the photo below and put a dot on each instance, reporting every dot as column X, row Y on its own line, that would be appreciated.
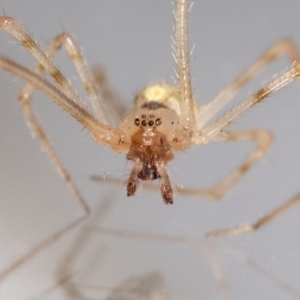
column 153, row 105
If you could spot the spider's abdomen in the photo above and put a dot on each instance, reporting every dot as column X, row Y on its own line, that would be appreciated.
column 161, row 96
column 158, row 96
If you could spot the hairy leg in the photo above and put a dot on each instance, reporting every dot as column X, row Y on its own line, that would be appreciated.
column 283, row 47
column 25, row 99
column 263, row 140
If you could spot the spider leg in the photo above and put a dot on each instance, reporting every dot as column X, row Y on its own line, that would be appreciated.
column 45, row 61
column 261, row 222
column 18, row 31
column 25, row 98
column 215, row 129
column 96, row 96
column 35, row 125
column 81, row 114
column 114, row 108
column 38, row 131
column 182, row 55
column 283, row 47
column 66, row 97
column 262, row 138
column 72, row 102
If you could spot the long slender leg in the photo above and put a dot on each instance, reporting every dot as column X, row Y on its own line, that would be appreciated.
column 45, row 62
column 66, row 97
column 261, row 222
column 95, row 82
column 76, row 111
column 216, row 128
column 14, row 28
column 67, row 41
column 25, row 98
column 102, row 133
column 48, row 148
column 283, row 47
column 262, row 138
column 115, row 109
column 187, row 116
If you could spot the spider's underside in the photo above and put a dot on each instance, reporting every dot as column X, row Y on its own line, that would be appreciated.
column 165, row 118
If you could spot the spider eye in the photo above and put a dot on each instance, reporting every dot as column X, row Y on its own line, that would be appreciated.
column 152, row 116
column 144, row 123
column 150, row 123
column 143, row 116
column 157, row 122
column 137, row 122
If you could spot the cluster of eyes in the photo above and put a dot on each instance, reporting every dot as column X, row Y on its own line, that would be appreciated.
column 150, row 123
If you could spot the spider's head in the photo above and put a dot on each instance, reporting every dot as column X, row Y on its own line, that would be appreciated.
column 150, row 153
column 149, row 131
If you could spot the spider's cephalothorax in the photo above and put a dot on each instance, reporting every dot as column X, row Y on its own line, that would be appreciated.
column 152, row 126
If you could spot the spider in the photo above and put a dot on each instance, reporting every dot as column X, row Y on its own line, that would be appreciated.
column 165, row 118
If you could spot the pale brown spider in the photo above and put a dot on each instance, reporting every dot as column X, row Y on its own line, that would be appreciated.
column 165, row 118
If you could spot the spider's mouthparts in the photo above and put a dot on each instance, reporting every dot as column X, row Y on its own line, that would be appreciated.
column 149, row 173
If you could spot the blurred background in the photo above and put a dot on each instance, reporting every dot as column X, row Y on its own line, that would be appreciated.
column 138, row 244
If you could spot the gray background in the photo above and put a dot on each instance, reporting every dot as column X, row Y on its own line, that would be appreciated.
column 132, row 40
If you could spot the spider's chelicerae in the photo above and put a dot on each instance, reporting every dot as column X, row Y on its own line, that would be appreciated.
column 165, row 118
